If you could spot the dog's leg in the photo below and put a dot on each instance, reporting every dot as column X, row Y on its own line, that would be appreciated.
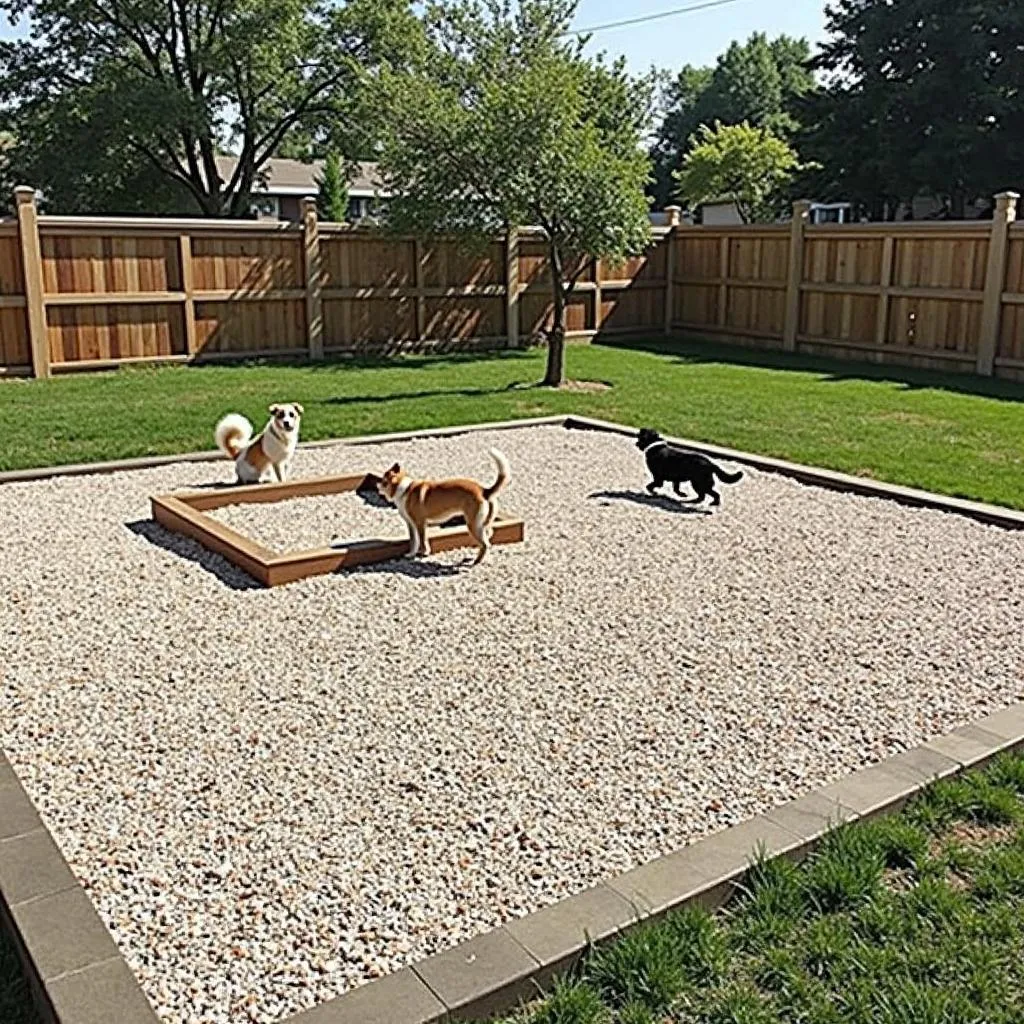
column 653, row 486
column 478, row 528
column 279, row 472
column 715, row 497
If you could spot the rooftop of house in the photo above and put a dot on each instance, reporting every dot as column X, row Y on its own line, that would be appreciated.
column 282, row 177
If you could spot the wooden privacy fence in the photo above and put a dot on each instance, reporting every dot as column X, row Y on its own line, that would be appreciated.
column 88, row 293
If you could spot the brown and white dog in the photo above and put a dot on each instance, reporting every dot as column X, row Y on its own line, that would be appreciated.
column 272, row 450
column 422, row 502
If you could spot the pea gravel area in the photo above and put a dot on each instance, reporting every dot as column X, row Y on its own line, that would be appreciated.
column 273, row 796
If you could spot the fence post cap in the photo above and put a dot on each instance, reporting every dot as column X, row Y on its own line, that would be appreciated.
column 1008, row 198
column 675, row 214
column 802, row 206
column 308, row 204
column 24, row 194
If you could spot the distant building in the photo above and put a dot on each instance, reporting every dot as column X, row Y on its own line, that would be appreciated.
column 282, row 185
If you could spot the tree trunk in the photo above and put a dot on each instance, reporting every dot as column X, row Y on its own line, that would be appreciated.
column 554, row 376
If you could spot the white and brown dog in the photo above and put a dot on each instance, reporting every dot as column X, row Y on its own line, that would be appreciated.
column 422, row 502
column 270, row 451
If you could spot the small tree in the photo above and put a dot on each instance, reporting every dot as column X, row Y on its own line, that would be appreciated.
column 332, row 197
column 748, row 165
column 504, row 123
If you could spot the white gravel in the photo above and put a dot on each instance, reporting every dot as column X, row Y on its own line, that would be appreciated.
column 273, row 796
column 305, row 523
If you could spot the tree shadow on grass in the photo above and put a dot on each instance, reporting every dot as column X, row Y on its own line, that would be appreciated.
column 659, row 501
column 832, row 371
column 343, row 400
column 193, row 551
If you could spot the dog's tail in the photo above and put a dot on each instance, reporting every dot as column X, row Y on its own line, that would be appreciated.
column 233, row 434
column 503, row 474
column 727, row 478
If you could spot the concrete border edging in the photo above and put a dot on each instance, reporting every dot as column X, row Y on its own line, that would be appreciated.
column 78, row 976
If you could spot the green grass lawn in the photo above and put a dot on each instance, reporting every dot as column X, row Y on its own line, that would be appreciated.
column 956, row 435
column 916, row 919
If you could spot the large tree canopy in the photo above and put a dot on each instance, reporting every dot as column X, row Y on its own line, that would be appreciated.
column 920, row 96
column 504, row 123
column 112, row 101
column 755, row 82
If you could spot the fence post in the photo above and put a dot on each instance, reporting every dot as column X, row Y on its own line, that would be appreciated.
column 670, row 265
column 801, row 213
column 512, row 287
column 417, row 283
column 188, row 287
column 313, row 282
column 995, row 281
column 32, row 275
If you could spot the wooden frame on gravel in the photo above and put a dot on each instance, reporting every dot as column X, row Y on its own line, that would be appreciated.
column 185, row 512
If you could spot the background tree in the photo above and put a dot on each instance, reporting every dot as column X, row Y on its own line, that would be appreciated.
column 758, row 82
column 747, row 164
column 149, row 92
column 921, row 96
column 332, row 197
column 504, row 124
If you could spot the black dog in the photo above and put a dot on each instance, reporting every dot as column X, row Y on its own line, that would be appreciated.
column 669, row 463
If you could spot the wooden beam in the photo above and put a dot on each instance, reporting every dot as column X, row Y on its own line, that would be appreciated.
column 670, row 271
column 32, row 274
column 313, row 279
column 185, row 512
column 419, row 299
column 188, row 289
column 112, row 298
column 885, row 280
column 723, row 277
column 995, row 281
column 801, row 214
column 512, row 287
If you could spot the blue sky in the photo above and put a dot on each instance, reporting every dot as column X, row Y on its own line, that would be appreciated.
column 695, row 38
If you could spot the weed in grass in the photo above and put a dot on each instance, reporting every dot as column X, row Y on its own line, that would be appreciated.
column 700, row 946
column 971, row 798
column 1007, row 771
column 827, row 944
column 901, row 843
column 938, row 902
column 643, row 967
column 769, row 907
column 572, row 1002
column 1000, row 873
column 739, row 1004
column 635, row 1013
column 846, row 871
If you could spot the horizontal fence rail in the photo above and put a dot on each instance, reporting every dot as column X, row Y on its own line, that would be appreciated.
column 92, row 292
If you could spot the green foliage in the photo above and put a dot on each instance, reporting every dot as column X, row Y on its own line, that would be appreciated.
column 332, row 195
column 921, row 96
column 642, row 969
column 571, row 1003
column 845, row 871
column 504, row 123
column 756, row 82
column 747, row 164
column 112, row 103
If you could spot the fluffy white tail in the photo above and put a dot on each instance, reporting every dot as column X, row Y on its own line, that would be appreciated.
column 503, row 474
column 233, row 434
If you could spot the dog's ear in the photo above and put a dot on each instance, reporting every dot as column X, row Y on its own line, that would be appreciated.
column 274, row 408
column 299, row 409
column 396, row 468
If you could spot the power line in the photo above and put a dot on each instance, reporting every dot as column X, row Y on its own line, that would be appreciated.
column 650, row 17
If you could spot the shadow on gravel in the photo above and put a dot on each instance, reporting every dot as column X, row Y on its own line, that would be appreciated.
column 659, row 501
column 185, row 547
